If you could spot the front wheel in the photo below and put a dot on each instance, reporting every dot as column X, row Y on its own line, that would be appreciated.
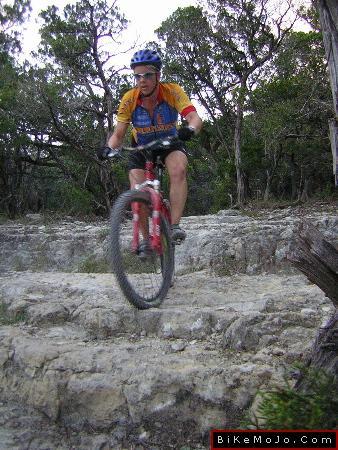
column 144, row 281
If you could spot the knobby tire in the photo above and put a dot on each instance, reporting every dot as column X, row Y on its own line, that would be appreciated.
column 147, row 285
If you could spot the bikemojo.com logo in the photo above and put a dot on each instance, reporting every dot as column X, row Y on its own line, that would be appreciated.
column 225, row 439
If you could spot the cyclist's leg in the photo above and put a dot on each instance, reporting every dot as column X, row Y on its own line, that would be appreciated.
column 137, row 176
column 176, row 163
column 136, row 165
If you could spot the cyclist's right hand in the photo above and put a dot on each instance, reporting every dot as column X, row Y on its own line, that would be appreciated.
column 107, row 153
column 186, row 133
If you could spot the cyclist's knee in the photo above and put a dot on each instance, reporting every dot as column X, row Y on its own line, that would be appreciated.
column 177, row 167
column 178, row 174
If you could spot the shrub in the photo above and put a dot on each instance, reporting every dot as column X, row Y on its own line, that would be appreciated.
column 313, row 407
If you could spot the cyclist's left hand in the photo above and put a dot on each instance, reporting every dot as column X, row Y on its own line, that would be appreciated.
column 107, row 153
column 186, row 133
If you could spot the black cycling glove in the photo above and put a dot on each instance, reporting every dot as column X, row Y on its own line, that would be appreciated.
column 107, row 152
column 186, row 133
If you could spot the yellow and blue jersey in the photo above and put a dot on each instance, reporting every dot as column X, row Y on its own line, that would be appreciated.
column 171, row 101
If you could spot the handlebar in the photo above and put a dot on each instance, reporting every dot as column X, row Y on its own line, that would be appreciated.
column 158, row 144
column 171, row 142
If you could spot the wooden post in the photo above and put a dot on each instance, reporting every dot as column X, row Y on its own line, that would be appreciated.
column 328, row 11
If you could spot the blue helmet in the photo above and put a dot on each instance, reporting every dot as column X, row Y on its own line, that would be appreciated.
column 146, row 57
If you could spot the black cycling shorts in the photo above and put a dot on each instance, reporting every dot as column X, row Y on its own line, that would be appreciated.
column 137, row 159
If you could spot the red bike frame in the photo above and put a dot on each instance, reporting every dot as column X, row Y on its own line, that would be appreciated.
column 159, row 207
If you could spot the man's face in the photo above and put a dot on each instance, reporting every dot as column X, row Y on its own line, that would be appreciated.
column 146, row 78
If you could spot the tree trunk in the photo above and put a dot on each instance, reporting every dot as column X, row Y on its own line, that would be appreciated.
column 325, row 349
column 333, row 124
column 238, row 159
column 305, row 192
column 318, row 260
column 328, row 13
column 267, row 186
column 293, row 168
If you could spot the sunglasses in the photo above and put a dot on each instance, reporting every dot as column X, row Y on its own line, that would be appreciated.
column 146, row 76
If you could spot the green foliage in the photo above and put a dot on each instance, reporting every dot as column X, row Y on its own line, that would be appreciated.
column 73, row 39
column 192, row 58
column 11, row 15
column 314, row 407
column 54, row 118
column 71, row 199
column 226, row 266
column 288, row 124
column 222, row 53
column 64, row 111
column 3, row 219
column 94, row 265
column 10, row 319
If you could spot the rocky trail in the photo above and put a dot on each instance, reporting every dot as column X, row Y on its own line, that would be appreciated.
column 82, row 369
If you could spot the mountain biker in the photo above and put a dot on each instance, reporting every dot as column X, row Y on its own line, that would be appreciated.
column 152, row 107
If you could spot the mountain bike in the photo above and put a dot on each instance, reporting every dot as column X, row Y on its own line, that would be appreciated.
column 138, row 215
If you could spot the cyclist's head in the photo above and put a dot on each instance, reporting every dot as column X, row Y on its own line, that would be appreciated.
column 146, row 57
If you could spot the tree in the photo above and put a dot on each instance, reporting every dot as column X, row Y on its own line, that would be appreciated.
column 10, row 17
column 84, row 45
column 219, row 54
column 289, row 115
column 10, row 177
column 67, row 104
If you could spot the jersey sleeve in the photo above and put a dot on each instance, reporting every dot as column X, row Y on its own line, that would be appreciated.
column 182, row 101
column 126, row 107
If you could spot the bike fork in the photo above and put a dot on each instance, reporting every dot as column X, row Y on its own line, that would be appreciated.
column 135, row 207
column 155, row 238
column 156, row 243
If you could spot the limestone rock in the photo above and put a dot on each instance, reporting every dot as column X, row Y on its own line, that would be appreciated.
column 80, row 368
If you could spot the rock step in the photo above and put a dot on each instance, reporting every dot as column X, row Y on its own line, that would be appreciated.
column 230, row 239
column 192, row 364
column 125, row 387
column 22, row 427
column 198, row 305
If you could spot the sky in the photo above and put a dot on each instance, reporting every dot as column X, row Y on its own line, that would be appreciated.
column 144, row 16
